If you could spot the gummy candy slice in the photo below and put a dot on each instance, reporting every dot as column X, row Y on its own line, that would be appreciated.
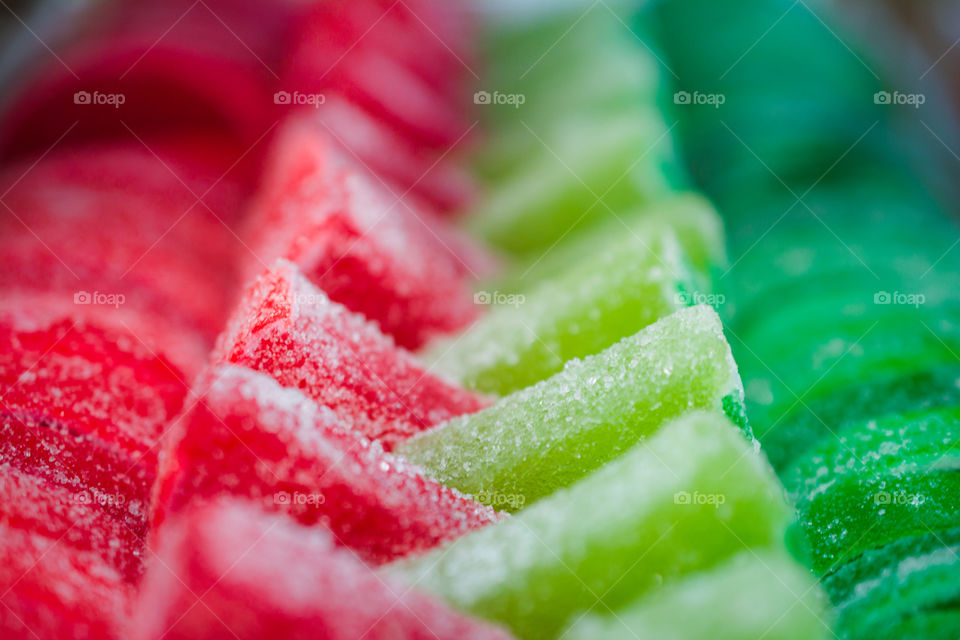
column 248, row 436
column 52, row 590
column 528, row 337
column 693, row 494
column 544, row 437
column 370, row 252
column 230, row 570
column 896, row 471
column 86, row 519
column 592, row 168
column 761, row 594
column 695, row 222
column 290, row 330
column 906, row 589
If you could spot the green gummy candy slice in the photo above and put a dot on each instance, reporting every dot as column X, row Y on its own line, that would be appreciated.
column 544, row 437
column 907, row 589
column 588, row 169
column 589, row 307
column 690, row 216
column 690, row 496
column 763, row 594
column 877, row 481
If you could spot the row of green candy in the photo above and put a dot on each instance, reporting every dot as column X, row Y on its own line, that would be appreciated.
column 843, row 319
column 581, row 201
column 645, row 500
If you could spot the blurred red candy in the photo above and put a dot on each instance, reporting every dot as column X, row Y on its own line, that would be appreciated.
column 248, row 436
column 231, row 571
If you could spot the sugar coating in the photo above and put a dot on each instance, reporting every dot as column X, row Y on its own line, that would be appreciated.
column 249, row 437
column 876, row 481
column 291, row 330
column 261, row 575
column 590, row 306
column 630, row 526
column 763, row 594
column 544, row 437
column 368, row 250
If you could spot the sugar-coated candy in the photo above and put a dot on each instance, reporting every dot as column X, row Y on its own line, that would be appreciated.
column 292, row 331
column 230, row 570
column 528, row 337
column 544, row 437
column 248, row 436
column 693, row 494
column 763, row 594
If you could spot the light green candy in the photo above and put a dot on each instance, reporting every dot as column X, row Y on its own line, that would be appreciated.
column 547, row 436
column 693, row 494
column 589, row 307
column 756, row 594
column 581, row 172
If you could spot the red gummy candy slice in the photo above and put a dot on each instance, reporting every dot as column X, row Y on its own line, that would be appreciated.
column 370, row 252
column 231, row 571
column 291, row 330
column 49, row 589
column 248, row 436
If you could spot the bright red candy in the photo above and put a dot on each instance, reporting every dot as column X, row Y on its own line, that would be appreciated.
column 370, row 252
column 291, row 330
column 248, row 436
column 231, row 571
column 49, row 589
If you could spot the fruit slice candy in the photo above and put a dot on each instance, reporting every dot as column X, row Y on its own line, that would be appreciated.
column 547, row 436
column 289, row 329
column 370, row 251
column 753, row 595
column 907, row 589
column 528, row 337
column 593, row 167
column 250, row 437
column 52, row 590
column 695, row 493
column 232, row 571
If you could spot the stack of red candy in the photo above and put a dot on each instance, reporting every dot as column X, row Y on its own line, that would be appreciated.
column 172, row 468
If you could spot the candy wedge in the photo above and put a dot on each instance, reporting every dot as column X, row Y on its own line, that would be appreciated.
column 763, row 594
column 581, row 173
column 692, row 495
column 544, row 437
column 232, row 571
column 246, row 436
column 586, row 309
column 291, row 330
